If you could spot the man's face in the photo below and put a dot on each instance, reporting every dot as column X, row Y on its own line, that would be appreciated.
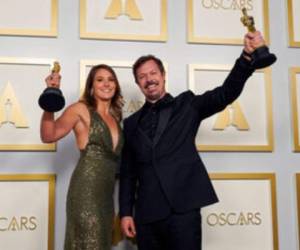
column 151, row 81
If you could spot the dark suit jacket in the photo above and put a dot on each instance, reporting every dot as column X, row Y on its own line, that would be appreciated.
column 168, row 170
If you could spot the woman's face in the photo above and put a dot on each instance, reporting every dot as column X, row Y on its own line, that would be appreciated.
column 104, row 85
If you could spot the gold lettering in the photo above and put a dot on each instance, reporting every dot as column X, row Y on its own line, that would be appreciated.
column 212, row 219
column 243, row 4
column 2, row 228
column 216, row 4
column 231, row 222
column 226, row 7
column 258, row 218
column 250, row 217
column 207, row 4
column 250, row 5
column 13, row 226
column 242, row 220
column 33, row 223
column 227, row 4
column 222, row 219
column 234, row 219
column 235, row 5
column 23, row 223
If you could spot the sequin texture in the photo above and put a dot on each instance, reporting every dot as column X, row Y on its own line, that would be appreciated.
column 90, row 194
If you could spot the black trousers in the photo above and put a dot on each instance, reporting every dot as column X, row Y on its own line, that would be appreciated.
column 176, row 232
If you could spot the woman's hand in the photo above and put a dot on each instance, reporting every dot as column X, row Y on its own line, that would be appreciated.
column 53, row 80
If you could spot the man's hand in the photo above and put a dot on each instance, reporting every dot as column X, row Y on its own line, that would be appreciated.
column 252, row 41
column 128, row 226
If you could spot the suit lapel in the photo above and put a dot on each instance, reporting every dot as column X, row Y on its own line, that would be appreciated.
column 136, row 129
column 162, row 123
column 164, row 117
column 133, row 121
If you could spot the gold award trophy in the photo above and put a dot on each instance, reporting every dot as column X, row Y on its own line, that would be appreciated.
column 52, row 99
column 261, row 57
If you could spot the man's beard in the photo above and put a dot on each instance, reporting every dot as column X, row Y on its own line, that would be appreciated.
column 156, row 95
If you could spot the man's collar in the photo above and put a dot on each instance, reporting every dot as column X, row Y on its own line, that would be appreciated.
column 160, row 103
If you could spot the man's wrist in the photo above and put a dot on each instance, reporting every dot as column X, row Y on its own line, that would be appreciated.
column 245, row 62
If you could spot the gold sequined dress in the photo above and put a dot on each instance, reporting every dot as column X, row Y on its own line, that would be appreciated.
column 90, row 195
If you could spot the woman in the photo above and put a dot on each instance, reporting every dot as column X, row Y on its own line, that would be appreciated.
column 95, row 121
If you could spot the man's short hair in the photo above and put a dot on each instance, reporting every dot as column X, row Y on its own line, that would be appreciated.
column 141, row 60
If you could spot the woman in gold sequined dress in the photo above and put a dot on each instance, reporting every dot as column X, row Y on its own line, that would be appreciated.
column 95, row 121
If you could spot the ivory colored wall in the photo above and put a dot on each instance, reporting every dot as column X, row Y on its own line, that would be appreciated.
column 69, row 49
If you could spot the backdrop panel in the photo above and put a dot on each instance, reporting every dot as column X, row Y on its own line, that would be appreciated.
column 295, row 94
column 22, row 18
column 294, row 22
column 218, row 22
column 298, row 203
column 27, row 212
column 246, row 124
column 21, row 83
column 124, row 19
column 246, row 216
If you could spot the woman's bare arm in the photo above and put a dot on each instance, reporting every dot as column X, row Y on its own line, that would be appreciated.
column 52, row 130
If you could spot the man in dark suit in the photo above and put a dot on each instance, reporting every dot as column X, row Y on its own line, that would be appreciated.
column 163, row 182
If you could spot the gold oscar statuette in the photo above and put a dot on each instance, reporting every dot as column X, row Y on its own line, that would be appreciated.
column 56, row 67
column 261, row 57
column 52, row 99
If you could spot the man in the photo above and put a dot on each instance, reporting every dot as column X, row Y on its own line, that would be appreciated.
column 162, row 178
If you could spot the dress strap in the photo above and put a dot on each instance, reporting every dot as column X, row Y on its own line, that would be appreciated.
column 92, row 114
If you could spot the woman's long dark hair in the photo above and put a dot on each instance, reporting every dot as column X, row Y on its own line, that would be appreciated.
column 117, row 99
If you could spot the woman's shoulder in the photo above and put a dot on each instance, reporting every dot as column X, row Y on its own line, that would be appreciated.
column 77, row 107
column 80, row 105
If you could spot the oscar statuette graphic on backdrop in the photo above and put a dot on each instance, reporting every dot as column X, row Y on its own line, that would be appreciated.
column 52, row 99
column 121, row 7
column 261, row 57
column 11, row 111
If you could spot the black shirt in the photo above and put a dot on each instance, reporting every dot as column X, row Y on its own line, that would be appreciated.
column 150, row 115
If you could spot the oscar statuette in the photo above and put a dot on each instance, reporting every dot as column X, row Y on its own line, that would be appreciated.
column 52, row 99
column 260, row 57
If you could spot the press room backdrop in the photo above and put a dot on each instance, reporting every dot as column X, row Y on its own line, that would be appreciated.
column 253, row 163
